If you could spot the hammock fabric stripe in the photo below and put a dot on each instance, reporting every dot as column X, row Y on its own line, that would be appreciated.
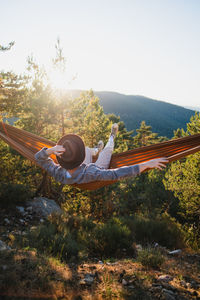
column 27, row 144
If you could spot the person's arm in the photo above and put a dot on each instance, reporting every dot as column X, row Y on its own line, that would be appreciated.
column 42, row 158
column 157, row 163
column 94, row 173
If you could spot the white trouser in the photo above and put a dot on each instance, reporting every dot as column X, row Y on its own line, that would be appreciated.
column 103, row 160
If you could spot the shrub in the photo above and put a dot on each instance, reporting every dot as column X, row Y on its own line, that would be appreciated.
column 109, row 239
column 151, row 258
column 165, row 231
column 48, row 239
column 67, row 237
column 13, row 194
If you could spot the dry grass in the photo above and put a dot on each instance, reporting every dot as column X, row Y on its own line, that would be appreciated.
column 26, row 274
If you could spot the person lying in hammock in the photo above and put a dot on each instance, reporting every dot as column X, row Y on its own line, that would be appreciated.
column 75, row 161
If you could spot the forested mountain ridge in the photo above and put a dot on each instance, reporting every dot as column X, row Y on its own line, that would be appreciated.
column 162, row 116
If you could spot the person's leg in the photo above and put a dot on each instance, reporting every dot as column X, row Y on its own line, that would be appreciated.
column 88, row 155
column 104, row 158
column 92, row 152
column 96, row 150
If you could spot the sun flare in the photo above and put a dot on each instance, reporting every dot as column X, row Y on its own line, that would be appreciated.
column 58, row 80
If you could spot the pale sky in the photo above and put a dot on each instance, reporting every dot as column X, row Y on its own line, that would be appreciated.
column 137, row 47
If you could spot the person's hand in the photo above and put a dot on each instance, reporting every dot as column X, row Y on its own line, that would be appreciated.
column 57, row 150
column 157, row 163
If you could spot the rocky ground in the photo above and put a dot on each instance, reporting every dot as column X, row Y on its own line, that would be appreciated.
column 25, row 274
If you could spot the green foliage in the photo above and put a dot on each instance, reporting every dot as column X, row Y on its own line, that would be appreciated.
column 13, row 194
column 145, row 136
column 88, row 119
column 13, row 91
column 50, row 240
column 183, row 179
column 110, row 238
column 68, row 237
column 144, row 194
column 151, row 258
column 15, row 169
column 165, row 231
column 179, row 133
column 193, row 126
column 59, row 61
column 38, row 109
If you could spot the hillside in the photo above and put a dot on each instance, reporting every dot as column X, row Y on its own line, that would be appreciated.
column 162, row 116
column 26, row 273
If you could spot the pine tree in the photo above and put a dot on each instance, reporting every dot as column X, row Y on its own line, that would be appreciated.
column 86, row 118
column 6, row 48
column 183, row 179
column 145, row 136
column 38, row 111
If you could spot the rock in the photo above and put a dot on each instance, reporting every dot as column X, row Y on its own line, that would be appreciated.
column 33, row 228
column 20, row 209
column 4, row 267
column 41, row 220
column 165, row 278
column 89, row 279
column 168, row 296
column 100, row 262
column 167, row 286
column 175, row 252
column 21, row 221
column 44, row 207
column 82, row 282
column 29, row 209
column 168, row 291
column 188, row 285
column 155, row 289
column 6, row 221
column 124, row 282
column 138, row 247
column 111, row 264
column 194, row 285
column 131, row 287
column 183, row 283
column 3, row 246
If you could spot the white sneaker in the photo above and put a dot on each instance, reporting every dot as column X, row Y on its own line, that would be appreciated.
column 100, row 145
column 98, row 148
column 114, row 130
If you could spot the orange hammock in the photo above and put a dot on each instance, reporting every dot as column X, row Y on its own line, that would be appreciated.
column 28, row 144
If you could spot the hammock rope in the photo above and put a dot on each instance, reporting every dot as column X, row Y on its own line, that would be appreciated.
column 27, row 144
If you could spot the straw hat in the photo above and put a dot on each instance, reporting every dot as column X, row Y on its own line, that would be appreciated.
column 74, row 153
